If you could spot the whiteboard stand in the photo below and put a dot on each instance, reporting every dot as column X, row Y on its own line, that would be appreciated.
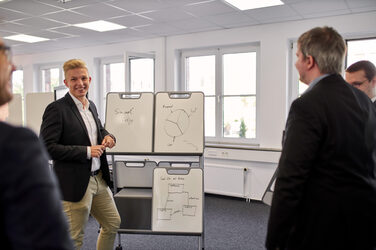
column 268, row 195
column 117, row 181
column 172, row 124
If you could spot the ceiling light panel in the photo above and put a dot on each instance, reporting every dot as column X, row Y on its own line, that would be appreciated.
column 254, row 4
column 26, row 38
column 100, row 26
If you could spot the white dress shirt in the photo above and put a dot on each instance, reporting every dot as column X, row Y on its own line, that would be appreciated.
column 91, row 127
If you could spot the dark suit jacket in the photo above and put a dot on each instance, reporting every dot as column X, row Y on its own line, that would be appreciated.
column 325, row 193
column 31, row 216
column 66, row 138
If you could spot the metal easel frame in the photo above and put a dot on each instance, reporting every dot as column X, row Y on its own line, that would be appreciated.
column 201, row 239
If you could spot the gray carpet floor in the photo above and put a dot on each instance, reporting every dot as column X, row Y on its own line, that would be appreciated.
column 230, row 223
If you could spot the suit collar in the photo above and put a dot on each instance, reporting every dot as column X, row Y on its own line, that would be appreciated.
column 78, row 102
column 315, row 81
column 76, row 112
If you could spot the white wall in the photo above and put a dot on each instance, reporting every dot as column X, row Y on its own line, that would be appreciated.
column 29, row 63
column 274, row 43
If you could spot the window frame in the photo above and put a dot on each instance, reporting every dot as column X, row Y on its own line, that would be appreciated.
column 128, row 56
column 40, row 86
column 23, row 83
column 218, row 52
column 102, row 96
column 352, row 40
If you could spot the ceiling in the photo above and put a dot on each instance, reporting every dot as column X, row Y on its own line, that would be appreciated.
column 144, row 19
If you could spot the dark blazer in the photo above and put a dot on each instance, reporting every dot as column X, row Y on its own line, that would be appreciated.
column 325, row 193
column 31, row 216
column 66, row 138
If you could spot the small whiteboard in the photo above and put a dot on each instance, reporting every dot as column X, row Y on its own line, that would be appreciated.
column 177, row 200
column 129, row 117
column 35, row 104
column 134, row 173
column 179, row 122
column 15, row 111
column 60, row 91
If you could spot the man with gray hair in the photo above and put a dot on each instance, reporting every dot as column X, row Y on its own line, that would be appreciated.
column 325, row 191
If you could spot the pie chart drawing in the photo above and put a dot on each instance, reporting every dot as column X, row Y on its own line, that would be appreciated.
column 177, row 123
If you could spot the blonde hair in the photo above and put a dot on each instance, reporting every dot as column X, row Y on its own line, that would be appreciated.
column 326, row 46
column 73, row 64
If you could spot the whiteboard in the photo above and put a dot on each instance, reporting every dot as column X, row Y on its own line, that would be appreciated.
column 15, row 110
column 177, row 204
column 179, row 122
column 129, row 117
column 60, row 91
column 134, row 173
column 35, row 104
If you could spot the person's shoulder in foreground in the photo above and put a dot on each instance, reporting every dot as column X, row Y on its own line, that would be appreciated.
column 31, row 214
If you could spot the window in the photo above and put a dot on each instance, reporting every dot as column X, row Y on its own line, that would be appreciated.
column 18, row 98
column 363, row 49
column 136, row 74
column 17, row 82
column 50, row 78
column 141, row 72
column 228, row 78
column 113, row 77
column 112, row 71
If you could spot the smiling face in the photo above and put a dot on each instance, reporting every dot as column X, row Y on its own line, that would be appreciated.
column 78, row 82
column 6, row 69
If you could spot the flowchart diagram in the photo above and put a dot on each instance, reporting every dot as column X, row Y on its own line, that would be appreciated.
column 178, row 202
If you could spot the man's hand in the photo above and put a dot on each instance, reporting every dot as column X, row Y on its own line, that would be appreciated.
column 97, row 150
column 108, row 141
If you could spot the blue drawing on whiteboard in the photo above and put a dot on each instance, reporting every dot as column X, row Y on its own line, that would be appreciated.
column 178, row 202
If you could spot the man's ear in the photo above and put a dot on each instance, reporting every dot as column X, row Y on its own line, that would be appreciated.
column 310, row 61
column 65, row 82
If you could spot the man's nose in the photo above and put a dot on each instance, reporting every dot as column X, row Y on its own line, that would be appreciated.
column 80, row 82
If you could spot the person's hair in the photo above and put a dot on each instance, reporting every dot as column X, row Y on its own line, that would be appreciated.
column 365, row 65
column 326, row 46
column 73, row 64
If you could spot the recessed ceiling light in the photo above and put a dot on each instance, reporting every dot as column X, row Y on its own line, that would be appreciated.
column 100, row 26
column 26, row 38
column 253, row 4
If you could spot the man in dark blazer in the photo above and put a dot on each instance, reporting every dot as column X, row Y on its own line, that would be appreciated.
column 362, row 75
column 31, row 216
column 76, row 140
column 325, row 192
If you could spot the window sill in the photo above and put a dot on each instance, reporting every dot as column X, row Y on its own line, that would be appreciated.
column 239, row 146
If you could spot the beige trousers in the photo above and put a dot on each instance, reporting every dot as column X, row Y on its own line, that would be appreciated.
column 98, row 202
